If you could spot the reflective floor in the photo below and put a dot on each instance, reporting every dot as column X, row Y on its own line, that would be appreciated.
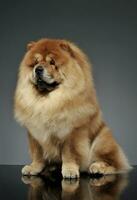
column 50, row 186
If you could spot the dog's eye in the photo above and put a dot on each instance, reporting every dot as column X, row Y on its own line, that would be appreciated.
column 36, row 61
column 52, row 62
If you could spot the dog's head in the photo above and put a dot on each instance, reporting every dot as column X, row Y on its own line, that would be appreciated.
column 50, row 63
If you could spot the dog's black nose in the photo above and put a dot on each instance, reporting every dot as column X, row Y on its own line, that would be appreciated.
column 39, row 70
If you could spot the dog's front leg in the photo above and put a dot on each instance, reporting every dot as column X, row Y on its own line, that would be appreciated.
column 38, row 162
column 70, row 166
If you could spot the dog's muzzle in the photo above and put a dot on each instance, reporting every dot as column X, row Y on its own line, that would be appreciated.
column 41, row 84
column 39, row 71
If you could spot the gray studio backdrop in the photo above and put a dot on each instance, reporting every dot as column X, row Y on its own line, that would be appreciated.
column 106, row 30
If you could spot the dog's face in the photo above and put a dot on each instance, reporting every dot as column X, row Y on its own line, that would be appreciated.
column 47, row 63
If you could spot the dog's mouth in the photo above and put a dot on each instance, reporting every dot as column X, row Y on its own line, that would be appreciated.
column 43, row 86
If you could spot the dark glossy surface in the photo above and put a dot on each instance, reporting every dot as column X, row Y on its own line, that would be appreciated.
column 52, row 187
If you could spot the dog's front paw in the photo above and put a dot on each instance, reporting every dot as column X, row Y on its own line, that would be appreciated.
column 32, row 169
column 70, row 171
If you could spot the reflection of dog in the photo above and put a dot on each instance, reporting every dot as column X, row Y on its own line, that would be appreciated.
column 107, row 187
column 56, row 101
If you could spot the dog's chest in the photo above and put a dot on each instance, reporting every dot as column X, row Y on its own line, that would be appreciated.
column 42, row 126
column 42, row 117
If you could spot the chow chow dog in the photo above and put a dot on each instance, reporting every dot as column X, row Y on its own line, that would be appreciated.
column 55, row 100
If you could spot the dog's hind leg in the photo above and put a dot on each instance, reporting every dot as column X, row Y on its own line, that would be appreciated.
column 106, row 155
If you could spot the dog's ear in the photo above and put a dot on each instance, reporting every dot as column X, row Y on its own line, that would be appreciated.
column 66, row 47
column 30, row 45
